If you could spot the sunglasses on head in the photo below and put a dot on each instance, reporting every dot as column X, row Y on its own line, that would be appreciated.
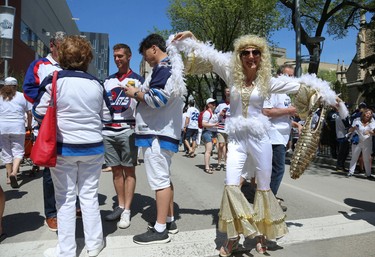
column 255, row 52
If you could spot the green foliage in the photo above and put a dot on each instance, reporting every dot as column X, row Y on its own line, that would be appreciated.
column 328, row 75
column 334, row 17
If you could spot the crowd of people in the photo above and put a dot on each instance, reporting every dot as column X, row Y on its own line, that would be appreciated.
column 108, row 122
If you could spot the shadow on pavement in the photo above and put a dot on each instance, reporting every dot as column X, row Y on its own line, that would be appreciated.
column 16, row 224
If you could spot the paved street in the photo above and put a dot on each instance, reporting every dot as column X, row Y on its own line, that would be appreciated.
column 328, row 215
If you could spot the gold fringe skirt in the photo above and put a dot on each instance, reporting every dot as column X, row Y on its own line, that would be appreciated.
column 269, row 217
column 236, row 216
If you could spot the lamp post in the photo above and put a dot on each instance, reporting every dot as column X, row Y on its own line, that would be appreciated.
column 6, row 34
column 297, row 17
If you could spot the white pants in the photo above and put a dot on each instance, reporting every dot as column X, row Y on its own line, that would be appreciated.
column 72, row 175
column 158, row 165
column 12, row 147
column 366, row 148
column 249, row 153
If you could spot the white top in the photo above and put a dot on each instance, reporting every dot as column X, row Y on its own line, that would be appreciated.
column 362, row 130
column 12, row 114
column 210, row 118
column 222, row 119
column 280, row 126
column 184, row 115
column 193, row 114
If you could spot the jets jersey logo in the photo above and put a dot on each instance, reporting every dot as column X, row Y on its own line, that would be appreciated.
column 120, row 102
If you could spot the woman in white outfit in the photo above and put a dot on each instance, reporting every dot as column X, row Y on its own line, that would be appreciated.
column 247, row 71
column 80, row 110
column 364, row 128
column 13, row 107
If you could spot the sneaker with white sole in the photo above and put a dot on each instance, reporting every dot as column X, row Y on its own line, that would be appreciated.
column 171, row 227
column 95, row 252
column 115, row 214
column 152, row 237
column 124, row 221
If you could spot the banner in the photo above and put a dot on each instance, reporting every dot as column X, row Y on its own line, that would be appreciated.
column 6, row 22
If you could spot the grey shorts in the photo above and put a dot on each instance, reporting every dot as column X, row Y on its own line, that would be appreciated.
column 222, row 137
column 121, row 149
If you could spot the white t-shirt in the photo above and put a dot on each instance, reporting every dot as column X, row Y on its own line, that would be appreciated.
column 12, row 114
column 193, row 114
column 222, row 119
column 184, row 115
column 280, row 126
column 361, row 130
column 210, row 118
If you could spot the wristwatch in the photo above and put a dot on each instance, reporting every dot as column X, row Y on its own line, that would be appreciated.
column 136, row 94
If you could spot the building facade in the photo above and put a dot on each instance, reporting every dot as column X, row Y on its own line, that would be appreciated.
column 360, row 75
column 100, row 47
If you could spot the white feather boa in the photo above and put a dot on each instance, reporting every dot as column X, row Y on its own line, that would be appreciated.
column 255, row 126
column 207, row 52
column 177, row 76
column 329, row 96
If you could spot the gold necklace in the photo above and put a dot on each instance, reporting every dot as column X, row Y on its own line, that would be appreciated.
column 245, row 92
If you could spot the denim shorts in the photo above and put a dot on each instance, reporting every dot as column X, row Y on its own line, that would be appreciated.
column 191, row 133
column 208, row 135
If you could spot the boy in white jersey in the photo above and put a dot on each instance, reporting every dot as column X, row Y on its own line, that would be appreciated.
column 158, row 130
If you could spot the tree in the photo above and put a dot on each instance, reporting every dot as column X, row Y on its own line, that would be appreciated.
column 335, row 17
column 221, row 22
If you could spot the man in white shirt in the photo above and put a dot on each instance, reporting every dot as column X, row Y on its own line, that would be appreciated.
column 191, row 128
column 278, row 108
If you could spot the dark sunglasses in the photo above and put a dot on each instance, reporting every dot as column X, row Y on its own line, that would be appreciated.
column 246, row 53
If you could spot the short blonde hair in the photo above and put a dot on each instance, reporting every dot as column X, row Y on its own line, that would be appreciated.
column 263, row 74
column 75, row 53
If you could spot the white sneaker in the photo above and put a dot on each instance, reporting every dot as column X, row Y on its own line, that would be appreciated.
column 95, row 252
column 124, row 221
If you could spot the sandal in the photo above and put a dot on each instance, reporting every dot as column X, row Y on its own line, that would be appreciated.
column 229, row 247
column 218, row 167
column 261, row 246
column 209, row 171
column 13, row 181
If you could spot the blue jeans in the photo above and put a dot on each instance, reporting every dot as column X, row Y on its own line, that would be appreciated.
column 49, row 195
column 278, row 167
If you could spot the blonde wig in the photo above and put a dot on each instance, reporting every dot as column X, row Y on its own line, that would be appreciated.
column 75, row 53
column 263, row 74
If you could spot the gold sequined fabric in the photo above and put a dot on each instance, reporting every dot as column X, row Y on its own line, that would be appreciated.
column 307, row 145
column 245, row 97
column 194, row 66
column 269, row 218
column 305, row 99
column 236, row 214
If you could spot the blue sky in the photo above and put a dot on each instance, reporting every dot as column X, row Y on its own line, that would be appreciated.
column 128, row 21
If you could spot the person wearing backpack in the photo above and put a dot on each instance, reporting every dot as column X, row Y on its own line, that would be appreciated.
column 209, row 124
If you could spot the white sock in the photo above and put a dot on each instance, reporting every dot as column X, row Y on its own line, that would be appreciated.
column 122, row 207
column 170, row 219
column 126, row 213
column 160, row 227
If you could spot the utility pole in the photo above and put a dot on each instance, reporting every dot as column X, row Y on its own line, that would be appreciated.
column 297, row 18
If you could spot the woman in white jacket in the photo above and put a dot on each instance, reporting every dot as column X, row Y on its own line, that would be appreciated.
column 364, row 128
column 81, row 107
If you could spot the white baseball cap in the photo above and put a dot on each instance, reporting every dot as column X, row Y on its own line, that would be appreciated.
column 210, row 100
column 10, row 81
